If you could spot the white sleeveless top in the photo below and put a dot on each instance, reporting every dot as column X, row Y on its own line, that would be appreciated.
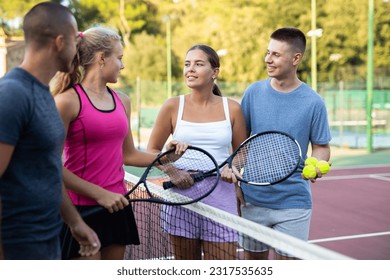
column 214, row 137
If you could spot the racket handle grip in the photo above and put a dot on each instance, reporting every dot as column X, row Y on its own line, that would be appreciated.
column 168, row 185
column 197, row 178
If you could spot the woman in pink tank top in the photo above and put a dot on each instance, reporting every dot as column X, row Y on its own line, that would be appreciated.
column 98, row 142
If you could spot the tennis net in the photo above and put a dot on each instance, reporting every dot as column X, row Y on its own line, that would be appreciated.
column 222, row 229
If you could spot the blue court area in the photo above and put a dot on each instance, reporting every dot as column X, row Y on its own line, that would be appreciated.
column 358, row 140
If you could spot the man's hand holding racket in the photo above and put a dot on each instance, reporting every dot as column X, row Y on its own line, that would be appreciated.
column 229, row 174
column 264, row 159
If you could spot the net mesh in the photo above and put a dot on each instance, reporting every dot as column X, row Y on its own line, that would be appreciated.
column 267, row 158
column 177, row 177
column 219, row 228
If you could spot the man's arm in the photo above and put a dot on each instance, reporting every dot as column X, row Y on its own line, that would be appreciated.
column 6, row 152
column 85, row 236
column 1, row 243
column 321, row 152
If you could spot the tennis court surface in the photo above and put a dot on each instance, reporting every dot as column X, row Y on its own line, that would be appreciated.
column 351, row 207
column 153, row 219
column 350, row 217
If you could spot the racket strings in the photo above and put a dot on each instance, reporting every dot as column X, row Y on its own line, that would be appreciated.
column 268, row 158
column 181, row 173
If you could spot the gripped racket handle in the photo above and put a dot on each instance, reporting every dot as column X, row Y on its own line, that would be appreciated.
column 197, row 178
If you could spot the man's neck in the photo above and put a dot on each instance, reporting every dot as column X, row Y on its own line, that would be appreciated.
column 39, row 66
column 286, row 85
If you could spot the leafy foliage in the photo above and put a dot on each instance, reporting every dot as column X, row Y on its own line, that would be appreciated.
column 240, row 28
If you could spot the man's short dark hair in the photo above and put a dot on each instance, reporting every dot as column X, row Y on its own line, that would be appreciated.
column 45, row 20
column 291, row 35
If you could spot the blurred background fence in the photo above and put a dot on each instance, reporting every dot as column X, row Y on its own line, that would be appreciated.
column 347, row 107
column 346, row 103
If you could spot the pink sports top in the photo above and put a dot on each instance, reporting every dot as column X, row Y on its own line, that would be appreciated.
column 93, row 147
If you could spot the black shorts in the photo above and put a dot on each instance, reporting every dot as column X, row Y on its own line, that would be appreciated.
column 117, row 228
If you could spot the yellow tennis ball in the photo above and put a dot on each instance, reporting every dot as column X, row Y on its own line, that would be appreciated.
column 323, row 166
column 311, row 161
column 309, row 171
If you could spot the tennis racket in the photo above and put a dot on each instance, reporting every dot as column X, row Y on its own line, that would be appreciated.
column 263, row 159
column 169, row 167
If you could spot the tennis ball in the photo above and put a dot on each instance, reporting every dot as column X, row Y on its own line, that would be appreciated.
column 309, row 171
column 323, row 166
column 311, row 161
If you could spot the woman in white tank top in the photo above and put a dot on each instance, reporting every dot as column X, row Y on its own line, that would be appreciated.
column 205, row 119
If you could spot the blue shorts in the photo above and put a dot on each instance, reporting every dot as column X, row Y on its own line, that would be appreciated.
column 294, row 222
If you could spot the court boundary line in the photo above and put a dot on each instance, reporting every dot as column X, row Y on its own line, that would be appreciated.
column 359, row 166
column 375, row 176
column 378, row 176
column 348, row 237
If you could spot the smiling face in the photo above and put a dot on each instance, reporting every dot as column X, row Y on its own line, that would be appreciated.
column 198, row 71
column 281, row 60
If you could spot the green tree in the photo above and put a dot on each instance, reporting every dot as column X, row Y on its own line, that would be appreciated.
column 241, row 28
column 86, row 16
column 382, row 34
column 146, row 58
column 11, row 10
column 128, row 16
column 344, row 40
column 16, row 8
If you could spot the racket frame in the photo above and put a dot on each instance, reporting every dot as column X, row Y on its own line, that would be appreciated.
column 143, row 181
column 157, row 161
column 229, row 160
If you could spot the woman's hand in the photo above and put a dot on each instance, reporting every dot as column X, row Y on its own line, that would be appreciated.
column 182, row 179
column 113, row 202
column 180, row 147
